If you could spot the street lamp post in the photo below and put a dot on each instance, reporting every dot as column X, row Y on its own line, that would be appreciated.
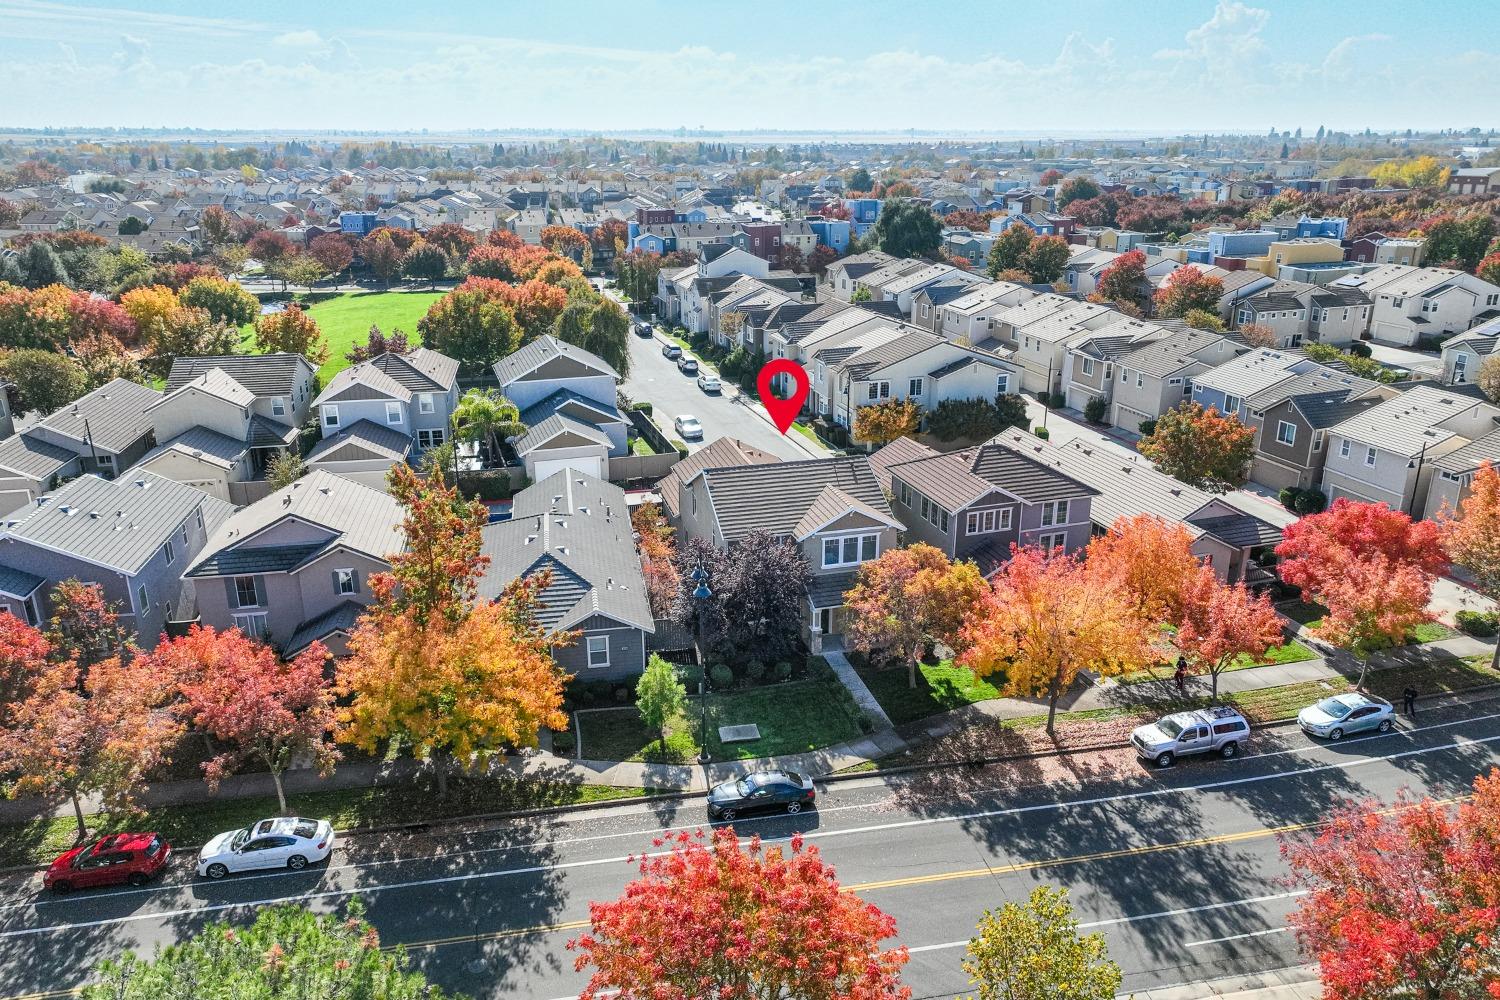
column 701, row 594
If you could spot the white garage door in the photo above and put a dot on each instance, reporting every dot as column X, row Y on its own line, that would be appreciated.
column 589, row 464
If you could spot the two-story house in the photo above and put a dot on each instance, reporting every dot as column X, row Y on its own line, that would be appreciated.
column 1040, row 331
column 294, row 568
column 1455, row 474
column 388, row 409
column 1157, row 375
column 1291, row 420
column 1386, row 454
column 978, row 502
column 577, row 527
column 1226, row 386
column 845, row 273
column 567, row 398
column 970, row 317
column 1410, row 303
column 833, row 508
column 132, row 537
column 1463, row 354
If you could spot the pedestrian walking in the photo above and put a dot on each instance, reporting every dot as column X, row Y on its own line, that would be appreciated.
column 1409, row 701
column 1181, row 675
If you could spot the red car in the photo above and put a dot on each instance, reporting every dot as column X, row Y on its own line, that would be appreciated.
column 113, row 860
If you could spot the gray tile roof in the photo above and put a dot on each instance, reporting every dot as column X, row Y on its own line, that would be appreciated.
column 559, row 425
column 544, row 349
column 831, row 504
column 1250, row 373
column 900, row 348
column 959, row 478
column 359, row 517
column 826, row 590
column 573, row 404
column 342, row 617
column 25, row 455
column 1325, row 409
column 364, row 440
column 204, row 445
column 1170, row 355
column 1320, row 381
column 578, row 527
column 420, row 370
column 719, row 453
column 363, row 381
column 775, row 496
column 17, row 583
column 257, row 559
column 1472, row 455
column 215, row 382
column 1408, row 424
column 1240, row 530
column 115, row 523
column 268, row 433
column 903, row 449
column 113, row 416
column 263, row 374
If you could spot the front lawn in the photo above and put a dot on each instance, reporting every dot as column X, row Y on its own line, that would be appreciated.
column 940, row 686
column 639, row 446
column 1291, row 652
column 1310, row 615
column 345, row 319
column 192, row 825
column 792, row 718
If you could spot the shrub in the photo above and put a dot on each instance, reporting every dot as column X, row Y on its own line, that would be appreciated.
column 1057, row 401
column 1288, row 497
column 692, row 675
column 720, row 676
column 1093, row 410
column 782, row 671
column 682, row 449
column 644, row 407
column 866, row 724
column 1147, row 427
column 755, row 670
column 1041, row 432
column 1311, row 502
column 1481, row 624
column 1360, row 349
column 975, row 419
column 563, row 744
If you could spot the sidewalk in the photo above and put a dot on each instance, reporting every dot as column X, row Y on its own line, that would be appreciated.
column 1299, row 983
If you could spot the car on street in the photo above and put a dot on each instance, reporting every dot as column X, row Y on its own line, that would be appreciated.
column 117, row 859
column 687, row 365
column 710, row 383
column 1336, row 717
column 688, row 427
column 671, row 351
column 644, row 329
column 1217, row 730
column 761, row 791
column 280, row 842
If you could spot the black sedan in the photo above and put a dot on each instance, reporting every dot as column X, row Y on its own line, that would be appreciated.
column 761, row 791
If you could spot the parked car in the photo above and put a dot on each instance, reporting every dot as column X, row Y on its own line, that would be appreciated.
column 135, row 858
column 687, row 365
column 282, row 842
column 671, row 351
column 688, row 427
column 761, row 791
column 1335, row 717
column 644, row 329
column 1217, row 730
column 710, row 383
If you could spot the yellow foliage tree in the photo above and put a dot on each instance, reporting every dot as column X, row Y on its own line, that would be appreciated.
column 147, row 304
column 1153, row 560
column 882, row 423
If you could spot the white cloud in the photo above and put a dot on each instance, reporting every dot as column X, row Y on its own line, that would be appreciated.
column 308, row 39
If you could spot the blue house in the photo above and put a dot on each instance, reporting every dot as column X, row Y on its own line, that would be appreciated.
column 830, row 232
column 1245, row 243
column 358, row 223
column 1332, row 227
column 863, row 213
column 651, row 243
column 693, row 215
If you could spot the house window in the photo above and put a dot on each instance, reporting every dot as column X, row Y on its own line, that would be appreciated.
column 1286, row 433
column 142, row 599
column 1460, row 369
column 424, row 403
column 1369, row 456
column 393, row 413
column 905, row 494
column 925, row 310
column 598, row 651
column 925, row 508
column 246, row 593
column 984, row 522
column 330, row 416
column 1344, row 448
column 1174, row 381
column 430, row 438
column 1295, row 340
column 278, row 407
column 1002, row 384
column 1055, row 512
column 1232, row 405
column 168, row 552
column 1053, row 541
column 850, row 550
column 914, row 388
column 880, row 390
column 199, row 515
column 1088, row 366
column 1317, row 440
column 183, row 530
column 253, row 626
column 344, row 581
column 1140, row 379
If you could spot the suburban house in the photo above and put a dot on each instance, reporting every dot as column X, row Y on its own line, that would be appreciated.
column 1463, row 354
column 385, row 410
column 978, row 502
column 1291, row 420
column 294, row 568
column 721, row 452
column 576, row 527
column 833, row 508
column 1411, row 303
column 676, row 301
column 845, row 273
column 1225, row 387
column 969, row 317
column 104, row 432
column 283, row 385
column 1040, row 329
column 132, row 537
column 1224, row 537
column 1157, row 375
column 1388, row 453
column 1455, row 473
column 567, row 398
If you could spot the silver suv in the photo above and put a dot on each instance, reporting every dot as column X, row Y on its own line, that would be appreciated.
column 1211, row 730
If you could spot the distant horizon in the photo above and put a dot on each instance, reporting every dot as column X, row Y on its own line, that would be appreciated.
column 1000, row 68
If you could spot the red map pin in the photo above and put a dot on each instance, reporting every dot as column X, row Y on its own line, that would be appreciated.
column 782, row 411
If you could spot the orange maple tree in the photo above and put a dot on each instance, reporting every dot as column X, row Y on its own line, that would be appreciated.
column 658, row 557
column 1186, row 289
column 291, row 331
column 882, row 423
column 1154, row 562
column 1404, row 901
column 1471, row 535
column 907, row 598
column 1202, row 447
column 711, row 918
column 1221, row 623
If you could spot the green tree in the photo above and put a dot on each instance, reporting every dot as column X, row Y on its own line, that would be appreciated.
column 659, row 696
column 130, row 226
column 908, row 229
column 425, row 262
column 861, row 293
column 45, row 381
column 1008, row 249
column 1076, row 189
column 289, row 953
column 41, row 266
column 285, row 469
column 860, row 180
column 226, row 301
column 485, row 415
column 609, row 336
column 1033, row 951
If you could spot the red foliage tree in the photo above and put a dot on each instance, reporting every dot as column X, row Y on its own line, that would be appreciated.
column 1124, row 279
column 1186, row 289
column 820, row 258
column 378, row 342
column 1221, row 623
column 332, row 251
column 382, row 254
column 455, row 240
column 505, row 239
column 1404, row 901
column 269, row 246
column 606, row 234
column 709, row 918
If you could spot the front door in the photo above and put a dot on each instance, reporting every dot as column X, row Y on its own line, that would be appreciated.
column 825, row 620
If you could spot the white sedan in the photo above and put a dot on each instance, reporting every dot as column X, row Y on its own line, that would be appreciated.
column 1333, row 718
column 688, row 428
column 283, row 842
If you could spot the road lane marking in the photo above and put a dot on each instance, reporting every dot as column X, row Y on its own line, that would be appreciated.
column 661, row 831
column 1239, row 937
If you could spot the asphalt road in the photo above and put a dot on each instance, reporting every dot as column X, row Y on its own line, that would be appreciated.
column 1179, row 869
column 671, row 393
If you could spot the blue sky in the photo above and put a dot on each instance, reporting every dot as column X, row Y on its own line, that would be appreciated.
column 1178, row 66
